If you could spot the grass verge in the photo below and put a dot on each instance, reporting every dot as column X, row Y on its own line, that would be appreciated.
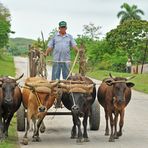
column 140, row 80
column 7, row 68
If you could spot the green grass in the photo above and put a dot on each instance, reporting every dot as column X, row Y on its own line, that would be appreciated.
column 7, row 65
column 7, row 68
column 12, row 140
column 140, row 80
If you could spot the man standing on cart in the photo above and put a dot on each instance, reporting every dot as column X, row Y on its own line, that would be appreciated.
column 60, row 46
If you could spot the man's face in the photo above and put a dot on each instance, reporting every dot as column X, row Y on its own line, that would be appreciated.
column 62, row 30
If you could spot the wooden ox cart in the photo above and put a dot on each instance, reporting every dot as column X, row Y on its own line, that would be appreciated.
column 37, row 66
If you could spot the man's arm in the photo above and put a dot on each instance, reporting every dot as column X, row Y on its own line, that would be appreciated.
column 75, row 48
column 47, row 51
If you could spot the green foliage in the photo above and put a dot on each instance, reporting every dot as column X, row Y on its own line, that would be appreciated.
column 4, row 25
column 7, row 65
column 130, row 13
column 19, row 46
column 130, row 37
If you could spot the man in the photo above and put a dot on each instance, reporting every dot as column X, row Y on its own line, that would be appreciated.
column 128, row 66
column 60, row 46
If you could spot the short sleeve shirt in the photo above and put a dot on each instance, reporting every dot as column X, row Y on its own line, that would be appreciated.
column 61, row 46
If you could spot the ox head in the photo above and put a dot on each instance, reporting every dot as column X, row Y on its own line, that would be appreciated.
column 41, row 86
column 79, row 102
column 8, row 85
column 80, row 96
column 119, row 85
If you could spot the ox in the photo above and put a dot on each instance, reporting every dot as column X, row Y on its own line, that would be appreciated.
column 114, row 94
column 78, row 98
column 38, row 96
column 10, row 101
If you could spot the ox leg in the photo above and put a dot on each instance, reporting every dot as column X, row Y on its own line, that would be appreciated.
column 33, row 128
column 25, row 138
column 85, row 135
column 78, row 122
column 36, row 137
column 115, row 122
column 111, row 139
column 119, row 133
column 6, row 124
column 1, row 129
column 106, row 118
column 42, row 128
column 74, row 130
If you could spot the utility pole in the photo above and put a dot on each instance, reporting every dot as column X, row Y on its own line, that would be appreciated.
column 144, row 57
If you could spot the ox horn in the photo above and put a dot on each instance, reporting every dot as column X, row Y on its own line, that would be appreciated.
column 129, row 78
column 16, row 78
column 19, row 77
column 111, row 76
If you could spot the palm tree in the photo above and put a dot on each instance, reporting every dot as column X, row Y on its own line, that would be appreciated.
column 131, row 12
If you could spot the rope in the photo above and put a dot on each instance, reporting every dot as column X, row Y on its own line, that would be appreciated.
column 38, row 99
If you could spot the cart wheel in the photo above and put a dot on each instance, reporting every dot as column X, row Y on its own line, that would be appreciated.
column 94, row 118
column 21, row 118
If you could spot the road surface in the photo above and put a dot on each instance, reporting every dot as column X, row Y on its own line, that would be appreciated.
column 58, row 128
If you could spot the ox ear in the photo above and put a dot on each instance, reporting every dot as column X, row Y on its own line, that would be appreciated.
column 130, row 84
column 109, row 82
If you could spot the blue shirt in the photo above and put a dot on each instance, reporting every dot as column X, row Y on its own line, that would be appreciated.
column 61, row 46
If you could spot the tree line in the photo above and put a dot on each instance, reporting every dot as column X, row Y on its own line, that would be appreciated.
column 127, row 40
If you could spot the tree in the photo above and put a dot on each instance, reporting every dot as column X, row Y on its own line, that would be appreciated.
column 129, row 37
column 4, row 25
column 130, row 13
column 91, row 31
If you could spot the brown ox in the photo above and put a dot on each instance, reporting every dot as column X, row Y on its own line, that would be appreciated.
column 38, row 98
column 114, row 94
column 10, row 101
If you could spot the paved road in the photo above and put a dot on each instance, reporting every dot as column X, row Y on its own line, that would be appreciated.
column 135, row 130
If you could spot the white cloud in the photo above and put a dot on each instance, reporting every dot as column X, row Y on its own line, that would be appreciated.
column 29, row 17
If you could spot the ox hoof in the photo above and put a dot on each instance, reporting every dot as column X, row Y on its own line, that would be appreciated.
column 25, row 141
column 73, row 137
column 111, row 139
column 79, row 141
column 116, row 137
column 36, row 139
column 106, row 134
column 119, row 134
column 86, row 140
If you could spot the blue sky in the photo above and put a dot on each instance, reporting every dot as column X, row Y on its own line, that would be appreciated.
column 29, row 17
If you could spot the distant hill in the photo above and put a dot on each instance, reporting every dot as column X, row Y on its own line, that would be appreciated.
column 19, row 46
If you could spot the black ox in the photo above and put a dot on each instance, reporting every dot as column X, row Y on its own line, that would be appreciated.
column 10, row 101
column 78, row 99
